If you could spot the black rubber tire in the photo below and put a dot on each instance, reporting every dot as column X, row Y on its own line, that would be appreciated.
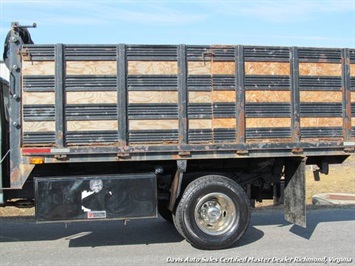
column 184, row 218
column 164, row 212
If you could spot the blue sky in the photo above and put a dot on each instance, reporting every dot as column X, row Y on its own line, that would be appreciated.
column 319, row 23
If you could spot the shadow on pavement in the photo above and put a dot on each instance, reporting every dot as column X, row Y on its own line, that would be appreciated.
column 96, row 234
column 314, row 216
column 152, row 231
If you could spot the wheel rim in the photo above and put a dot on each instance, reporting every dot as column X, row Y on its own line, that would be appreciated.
column 215, row 213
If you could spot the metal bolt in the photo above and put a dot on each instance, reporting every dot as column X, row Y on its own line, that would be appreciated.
column 15, row 97
column 15, row 124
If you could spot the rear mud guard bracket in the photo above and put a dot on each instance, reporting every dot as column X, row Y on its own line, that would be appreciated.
column 176, row 184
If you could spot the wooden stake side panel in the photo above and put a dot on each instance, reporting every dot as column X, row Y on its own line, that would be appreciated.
column 211, row 94
column 88, row 97
column 153, row 106
column 38, row 104
column 152, row 109
column 267, row 101
column 321, row 113
column 89, row 112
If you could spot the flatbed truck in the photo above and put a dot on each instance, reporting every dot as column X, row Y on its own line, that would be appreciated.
column 195, row 133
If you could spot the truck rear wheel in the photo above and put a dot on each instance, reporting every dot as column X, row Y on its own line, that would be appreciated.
column 213, row 212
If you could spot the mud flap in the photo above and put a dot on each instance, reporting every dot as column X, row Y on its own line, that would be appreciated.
column 295, row 191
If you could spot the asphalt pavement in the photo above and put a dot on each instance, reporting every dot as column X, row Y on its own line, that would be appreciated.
column 328, row 239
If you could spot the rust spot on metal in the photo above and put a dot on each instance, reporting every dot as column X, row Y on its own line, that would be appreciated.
column 123, row 155
column 242, row 152
column 184, row 153
column 61, row 157
column 60, row 135
column 18, row 175
column 15, row 176
column 241, row 125
column 329, row 141
column 175, row 157
column 270, row 140
column 297, row 151
column 25, row 54
column 297, row 131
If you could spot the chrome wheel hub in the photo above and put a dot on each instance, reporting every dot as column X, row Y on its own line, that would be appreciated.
column 215, row 213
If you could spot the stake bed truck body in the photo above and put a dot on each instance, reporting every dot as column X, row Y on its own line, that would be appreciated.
column 195, row 133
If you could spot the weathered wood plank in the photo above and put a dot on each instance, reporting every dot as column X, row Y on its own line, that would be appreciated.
column 321, row 96
column 200, row 97
column 223, row 68
column 352, row 70
column 153, row 124
column 38, row 68
column 152, row 68
column 352, row 97
column 223, row 96
column 224, row 123
column 39, row 126
column 87, row 97
column 211, row 96
column 268, row 122
column 38, row 98
column 267, row 96
column 153, row 97
column 319, row 69
column 199, row 68
column 211, row 68
column 200, row 123
column 212, row 123
column 267, row 68
column 96, row 125
column 91, row 68
column 321, row 122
